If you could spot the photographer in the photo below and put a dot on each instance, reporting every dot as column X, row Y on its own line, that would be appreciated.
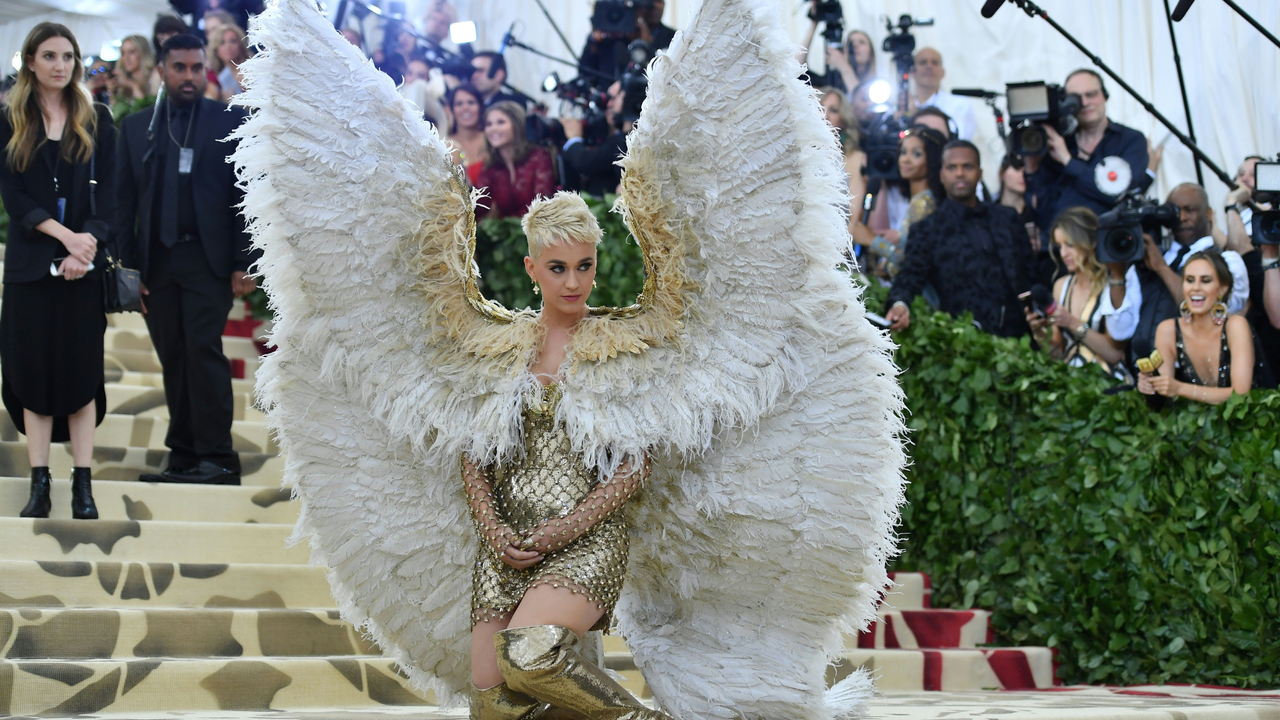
column 1161, row 277
column 847, row 65
column 928, row 73
column 605, row 53
column 1261, row 261
column 594, row 170
column 1079, row 166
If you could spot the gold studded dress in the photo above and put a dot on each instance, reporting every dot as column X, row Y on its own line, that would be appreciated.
column 548, row 500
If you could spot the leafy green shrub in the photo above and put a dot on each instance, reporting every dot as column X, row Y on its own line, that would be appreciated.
column 1144, row 545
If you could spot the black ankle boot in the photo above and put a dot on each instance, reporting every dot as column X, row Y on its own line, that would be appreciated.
column 82, row 507
column 38, row 505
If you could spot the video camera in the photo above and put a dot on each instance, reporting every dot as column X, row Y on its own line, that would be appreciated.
column 1266, row 223
column 882, row 139
column 831, row 15
column 1120, row 229
column 617, row 17
column 900, row 43
column 1033, row 104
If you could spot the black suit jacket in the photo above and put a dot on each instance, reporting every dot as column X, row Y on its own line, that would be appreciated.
column 594, row 169
column 978, row 259
column 213, row 185
column 30, row 200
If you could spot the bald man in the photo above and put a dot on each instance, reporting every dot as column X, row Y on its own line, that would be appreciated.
column 928, row 73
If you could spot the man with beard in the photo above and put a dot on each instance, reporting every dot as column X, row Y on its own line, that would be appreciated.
column 181, row 228
column 1161, row 278
column 975, row 254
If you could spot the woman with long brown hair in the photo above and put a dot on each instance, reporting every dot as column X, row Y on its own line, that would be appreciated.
column 57, row 144
column 516, row 171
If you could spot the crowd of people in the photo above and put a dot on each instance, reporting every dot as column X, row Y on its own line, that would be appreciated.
column 97, row 171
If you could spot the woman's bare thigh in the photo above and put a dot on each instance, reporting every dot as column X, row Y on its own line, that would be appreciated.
column 548, row 605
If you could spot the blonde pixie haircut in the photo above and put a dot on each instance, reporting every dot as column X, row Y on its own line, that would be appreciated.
column 559, row 219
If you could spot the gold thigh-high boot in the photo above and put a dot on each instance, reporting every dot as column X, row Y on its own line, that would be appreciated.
column 541, row 661
column 500, row 702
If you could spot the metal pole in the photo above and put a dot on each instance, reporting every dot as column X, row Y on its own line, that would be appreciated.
column 1182, row 85
column 556, row 27
column 1255, row 23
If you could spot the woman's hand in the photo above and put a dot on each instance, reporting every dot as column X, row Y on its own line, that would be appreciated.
column 1155, row 153
column 1039, row 324
column 862, row 234
column 520, row 559
column 1165, row 386
column 82, row 246
column 72, row 269
column 1064, row 319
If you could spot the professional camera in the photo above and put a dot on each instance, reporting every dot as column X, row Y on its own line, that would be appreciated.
column 635, row 83
column 831, row 15
column 880, row 143
column 1032, row 104
column 617, row 17
column 1120, row 229
column 584, row 95
column 901, row 44
column 1266, row 223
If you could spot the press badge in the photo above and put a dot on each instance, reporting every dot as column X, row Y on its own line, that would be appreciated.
column 185, row 157
column 62, row 210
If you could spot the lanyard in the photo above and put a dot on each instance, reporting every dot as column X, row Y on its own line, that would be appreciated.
column 168, row 122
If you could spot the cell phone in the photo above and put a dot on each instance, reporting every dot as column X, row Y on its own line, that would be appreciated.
column 878, row 320
column 56, row 271
column 1027, row 302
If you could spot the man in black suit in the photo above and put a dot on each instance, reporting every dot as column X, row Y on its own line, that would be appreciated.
column 594, row 170
column 180, row 226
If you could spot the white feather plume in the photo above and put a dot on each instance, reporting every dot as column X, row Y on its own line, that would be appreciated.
column 772, row 407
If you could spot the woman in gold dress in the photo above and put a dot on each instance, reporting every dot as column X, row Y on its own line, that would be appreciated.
column 554, row 546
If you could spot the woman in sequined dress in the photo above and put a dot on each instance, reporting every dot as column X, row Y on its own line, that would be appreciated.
column 1208, row 354
column 554, row 546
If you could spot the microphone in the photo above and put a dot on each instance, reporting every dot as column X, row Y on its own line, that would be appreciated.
column 976, row 93
column 506, row 39
column 1043, row 300
column 1180, row 11
column 990, row 7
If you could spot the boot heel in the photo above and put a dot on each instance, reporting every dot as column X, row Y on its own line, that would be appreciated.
column 82, row 505
column 38, row 505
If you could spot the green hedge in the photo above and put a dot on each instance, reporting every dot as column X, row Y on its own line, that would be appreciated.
column 1144, row 545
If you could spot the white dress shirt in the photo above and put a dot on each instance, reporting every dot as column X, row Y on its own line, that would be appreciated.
column 960, row 109
column 1239, row 275
column 1122, row 321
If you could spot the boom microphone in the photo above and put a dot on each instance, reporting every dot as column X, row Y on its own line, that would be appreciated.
column 1180, row 11
column 975, row 93
column 506, row 40
column 990, row 7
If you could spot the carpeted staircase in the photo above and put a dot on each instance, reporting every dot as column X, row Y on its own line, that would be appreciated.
column 185, row 598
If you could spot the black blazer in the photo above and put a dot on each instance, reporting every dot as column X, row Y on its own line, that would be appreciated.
column 213, row 183
column 30, row 200
column 594, row 169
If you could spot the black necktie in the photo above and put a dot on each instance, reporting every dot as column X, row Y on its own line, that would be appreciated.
column 178, row 124
column 1176, row 265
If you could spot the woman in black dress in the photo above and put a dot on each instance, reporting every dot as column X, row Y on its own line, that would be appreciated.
column 57, row 142
column 1207, row 354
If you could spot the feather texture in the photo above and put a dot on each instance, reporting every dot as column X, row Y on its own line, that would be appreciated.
column 768, row 401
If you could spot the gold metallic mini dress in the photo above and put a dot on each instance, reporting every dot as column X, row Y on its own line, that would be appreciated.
column 554, row 504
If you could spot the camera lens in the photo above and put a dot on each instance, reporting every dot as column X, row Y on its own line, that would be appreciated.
column 1120, row 243
column 1033, row 140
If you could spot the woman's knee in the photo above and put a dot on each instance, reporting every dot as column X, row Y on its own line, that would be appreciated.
column 549, row 605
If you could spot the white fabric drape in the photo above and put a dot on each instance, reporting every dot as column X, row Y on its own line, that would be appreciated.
column 1233, row 73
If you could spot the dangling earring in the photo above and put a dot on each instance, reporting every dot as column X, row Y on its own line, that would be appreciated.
column 594, row 285
column 1186, row 311
column 1219, row 312
column 536, row 291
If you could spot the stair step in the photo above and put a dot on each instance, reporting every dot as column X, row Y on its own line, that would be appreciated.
column 124, row 633
column 132, row 500
column 135, row 400
column 147, row 431
column 120, row 338
column 67, row 688
column 928, row 628
column 118, row 376
column 148, row 541
column 70, row 583
column 1022, row 668
column 910, row 591
column 126, row 463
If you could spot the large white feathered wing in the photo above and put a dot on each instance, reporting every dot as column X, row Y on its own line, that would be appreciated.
column 757, row 552
column 364, row 227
